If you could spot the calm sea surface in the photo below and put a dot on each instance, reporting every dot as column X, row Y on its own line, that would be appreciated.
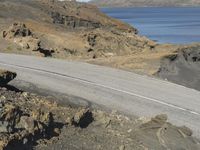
column 165, row 25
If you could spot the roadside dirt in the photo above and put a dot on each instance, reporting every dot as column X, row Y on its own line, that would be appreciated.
column 29, row 121
column 39, row 123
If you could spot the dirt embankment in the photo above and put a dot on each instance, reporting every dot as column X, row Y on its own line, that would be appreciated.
column 29, row 121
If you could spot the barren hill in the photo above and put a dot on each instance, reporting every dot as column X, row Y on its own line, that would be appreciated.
column 73, row 30
column 145, row 3
column 65, row 29
column 76, row 31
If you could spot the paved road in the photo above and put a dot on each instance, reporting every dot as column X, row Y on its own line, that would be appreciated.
column 114, row 89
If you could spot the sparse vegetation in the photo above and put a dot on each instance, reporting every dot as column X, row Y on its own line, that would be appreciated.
column 19, row 48
column 9, row 48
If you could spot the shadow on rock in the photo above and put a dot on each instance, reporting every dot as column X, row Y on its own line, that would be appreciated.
column 46, row 52
column 83, row 118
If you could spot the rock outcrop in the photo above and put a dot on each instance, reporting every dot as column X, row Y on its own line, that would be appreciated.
column 79, row 15
column 164, row 135
column 22, row 123
column 73, row 22
column 17, row 30
column 6, row 76
column 82, row 118
column 183, row 67
column 21, row 35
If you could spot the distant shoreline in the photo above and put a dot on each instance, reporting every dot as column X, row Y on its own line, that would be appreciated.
column 161, row 24
column 150, row 7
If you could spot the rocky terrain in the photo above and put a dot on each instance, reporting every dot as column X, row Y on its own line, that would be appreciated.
column 70, row 30
column 76, row 31
column 79, row 31
column 29, row 121
column 182, row 67
column 145, row 3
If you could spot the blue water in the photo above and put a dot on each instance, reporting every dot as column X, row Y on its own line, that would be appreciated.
column 165, row 25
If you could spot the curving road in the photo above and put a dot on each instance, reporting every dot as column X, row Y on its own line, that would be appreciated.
column 115, row 89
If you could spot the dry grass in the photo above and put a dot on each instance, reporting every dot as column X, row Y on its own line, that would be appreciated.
column 145, row 62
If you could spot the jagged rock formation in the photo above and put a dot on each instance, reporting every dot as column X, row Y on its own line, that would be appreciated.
column 21, row 35
column 17, row 30
column 145, row 3
column 73, row 22
column 21, row 123
column 75, row 15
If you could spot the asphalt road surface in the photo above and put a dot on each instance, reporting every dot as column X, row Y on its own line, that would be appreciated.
column 114, row 89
